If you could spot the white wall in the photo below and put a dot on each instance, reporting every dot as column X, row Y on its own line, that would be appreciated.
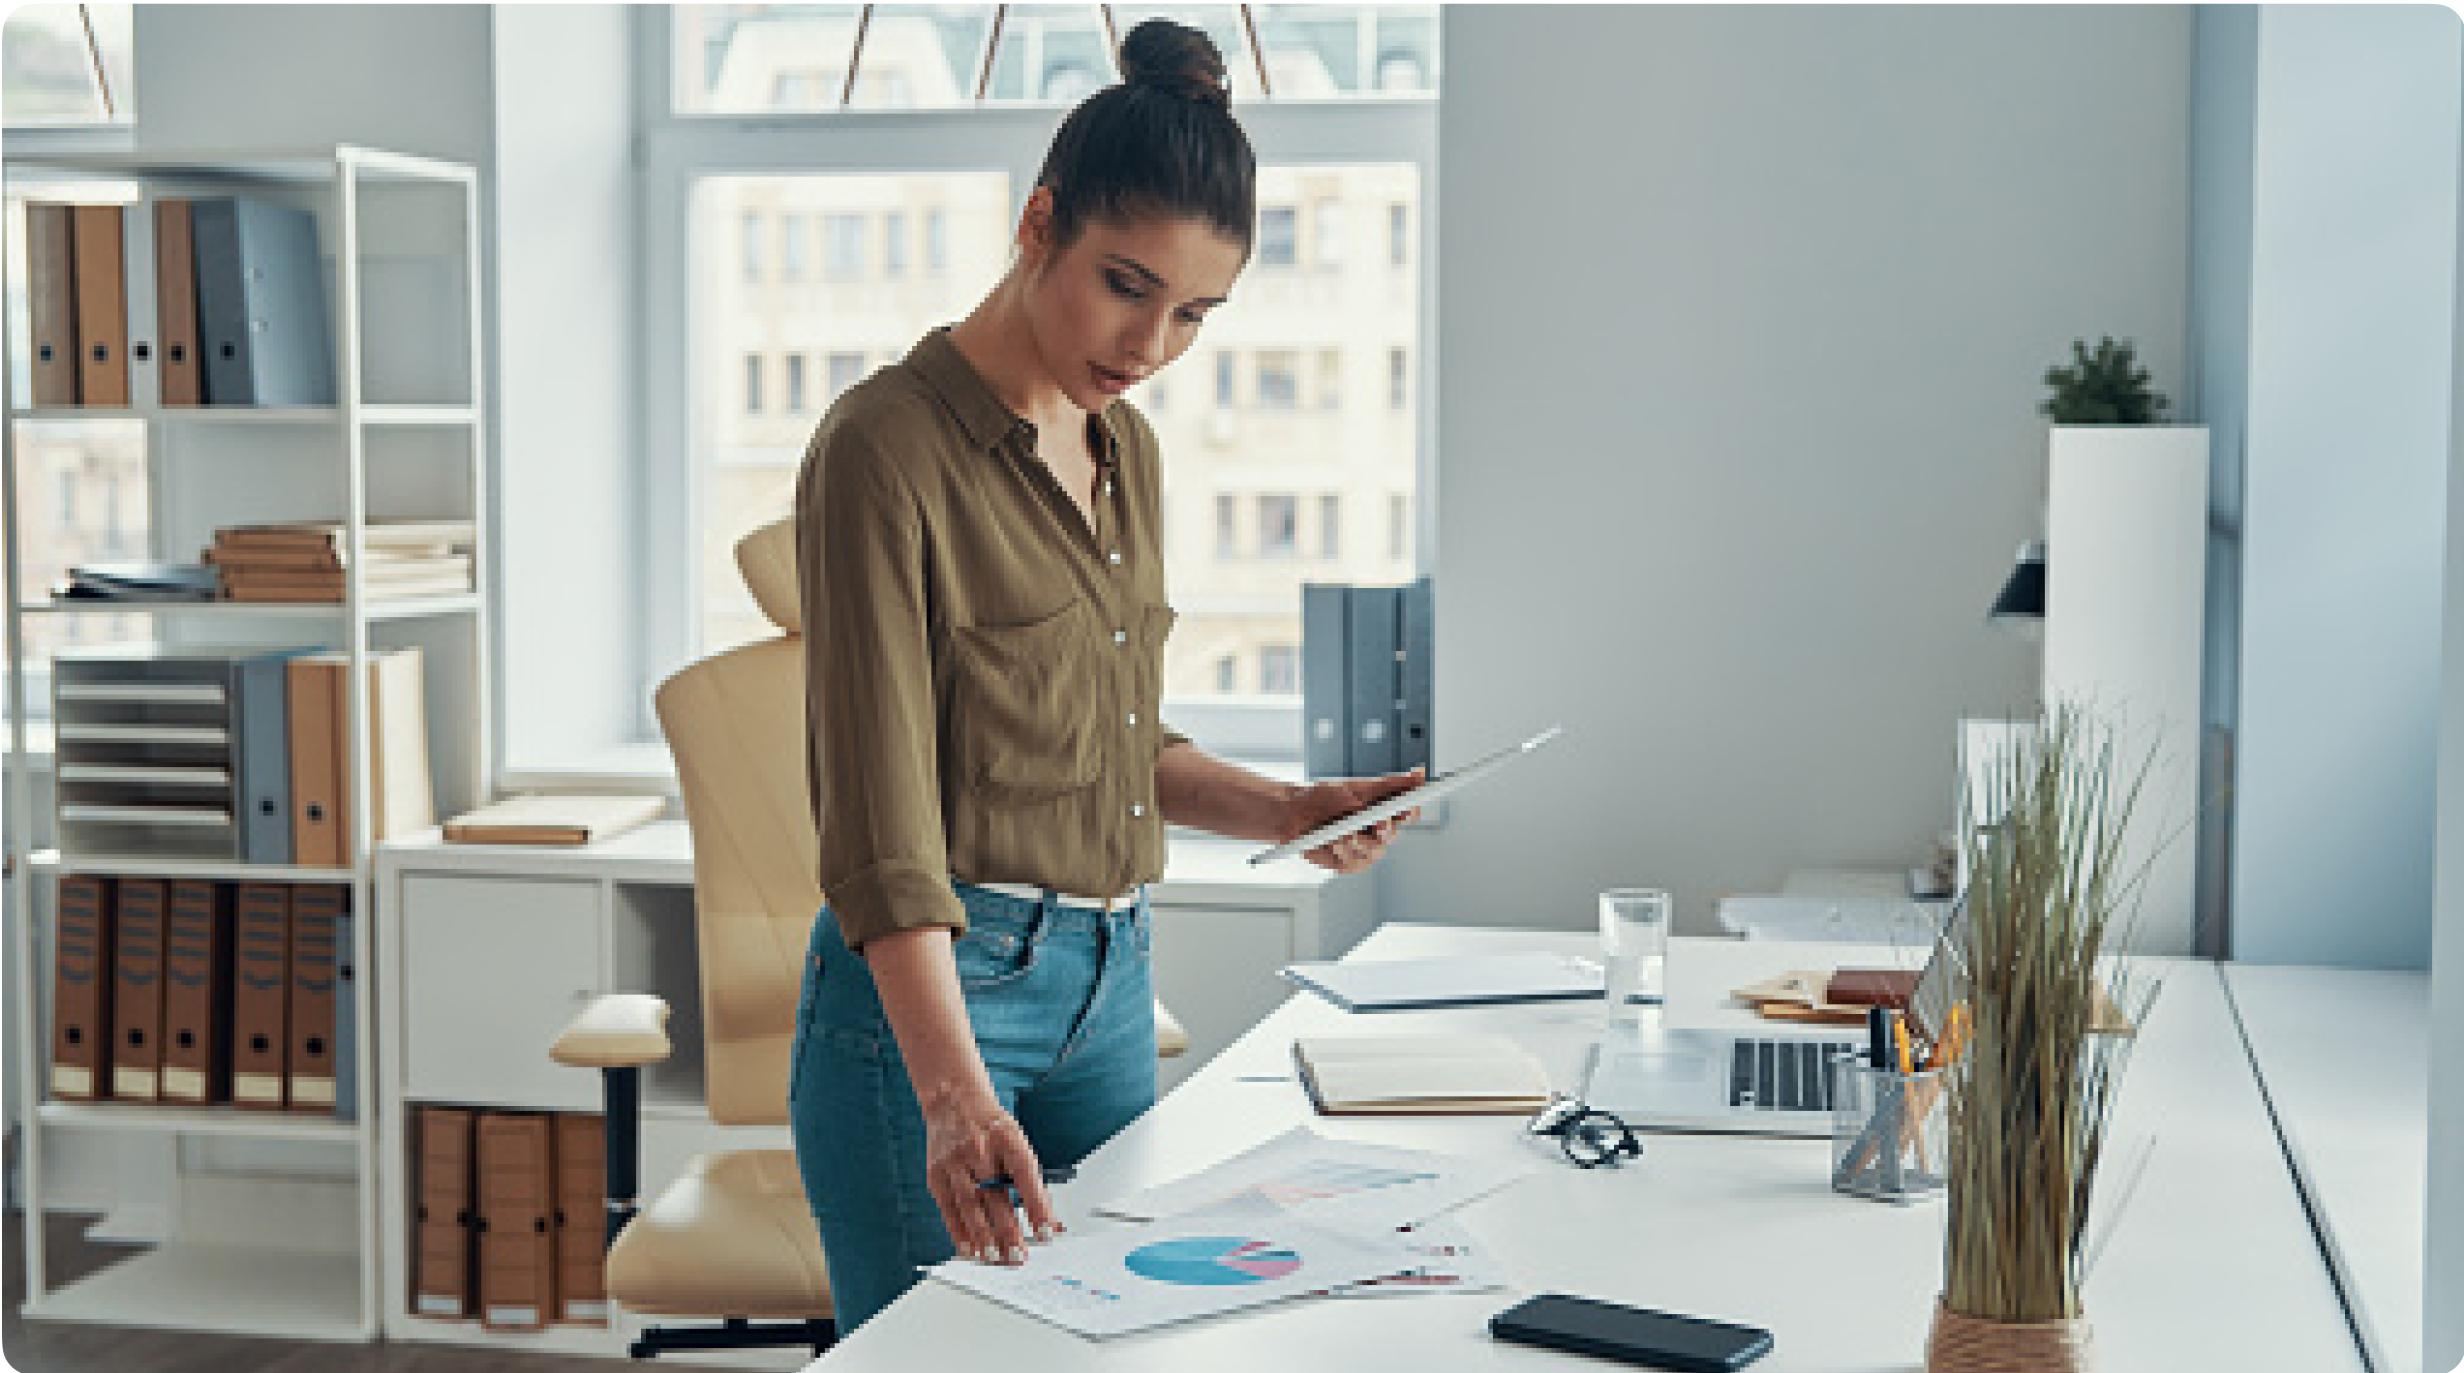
column 1744, row 314
column 411, row 78
column 2442, row 1339
column 2352, row 380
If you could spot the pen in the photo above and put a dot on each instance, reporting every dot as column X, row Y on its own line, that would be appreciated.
column 1002, row 1182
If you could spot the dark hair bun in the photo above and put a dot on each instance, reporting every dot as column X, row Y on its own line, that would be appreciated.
column 1175, row 57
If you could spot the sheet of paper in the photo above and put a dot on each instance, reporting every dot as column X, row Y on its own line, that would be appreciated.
column 1449, row 1257
column 1364, row 1188
column 1125, row 1278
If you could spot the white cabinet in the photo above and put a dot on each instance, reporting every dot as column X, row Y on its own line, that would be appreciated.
column 483, row 949
column 492, row 968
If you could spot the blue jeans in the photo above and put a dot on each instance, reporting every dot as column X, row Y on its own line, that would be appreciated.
column 1063, row 1012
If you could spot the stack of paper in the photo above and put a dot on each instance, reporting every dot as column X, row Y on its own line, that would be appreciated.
column 1470, row 1074
column 559, row 820
column 305, row 562
column 1297, row 1216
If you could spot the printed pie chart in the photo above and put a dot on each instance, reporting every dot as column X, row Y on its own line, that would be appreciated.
column 1212, row 1262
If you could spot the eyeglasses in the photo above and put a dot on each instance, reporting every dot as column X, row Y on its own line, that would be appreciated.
column 1590, row 1139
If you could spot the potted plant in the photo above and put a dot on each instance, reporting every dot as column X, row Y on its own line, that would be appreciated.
column 2104, row 387
column 2042, row 1042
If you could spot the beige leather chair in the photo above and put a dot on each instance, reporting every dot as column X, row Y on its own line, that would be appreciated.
column 732, row 1238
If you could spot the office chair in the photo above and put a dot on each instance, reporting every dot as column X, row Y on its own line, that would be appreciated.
column 732, row 1238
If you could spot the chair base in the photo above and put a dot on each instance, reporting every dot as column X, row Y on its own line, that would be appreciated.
column 735, row 1334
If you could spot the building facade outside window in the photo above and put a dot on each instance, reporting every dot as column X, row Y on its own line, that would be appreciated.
column 910, row 222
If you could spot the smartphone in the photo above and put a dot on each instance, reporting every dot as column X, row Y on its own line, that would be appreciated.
column 1652, row 1339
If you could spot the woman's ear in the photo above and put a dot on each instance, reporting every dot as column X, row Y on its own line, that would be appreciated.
column 1035, row 232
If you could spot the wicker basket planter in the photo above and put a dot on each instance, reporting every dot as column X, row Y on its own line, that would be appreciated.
column 1968, row 1344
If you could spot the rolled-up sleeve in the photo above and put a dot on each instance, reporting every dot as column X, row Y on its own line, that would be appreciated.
column 873, row 768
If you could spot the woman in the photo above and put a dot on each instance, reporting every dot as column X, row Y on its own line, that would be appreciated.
column 985, row 617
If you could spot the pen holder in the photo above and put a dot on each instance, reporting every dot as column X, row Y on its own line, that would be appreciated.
column 1889, row 1136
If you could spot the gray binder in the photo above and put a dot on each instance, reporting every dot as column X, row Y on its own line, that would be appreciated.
column 261, row 786
column 1376, row 619
column 1415, row 711
column 1325, row 678
column 261, row 304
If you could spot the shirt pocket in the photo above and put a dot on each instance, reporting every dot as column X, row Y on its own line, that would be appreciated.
column 1024, row 699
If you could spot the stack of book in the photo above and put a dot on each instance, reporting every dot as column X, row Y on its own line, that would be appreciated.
column 306, row 562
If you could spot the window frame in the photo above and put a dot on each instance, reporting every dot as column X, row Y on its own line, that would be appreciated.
column 677, row 148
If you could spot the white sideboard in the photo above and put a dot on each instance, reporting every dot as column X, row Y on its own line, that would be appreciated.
column 485, row 951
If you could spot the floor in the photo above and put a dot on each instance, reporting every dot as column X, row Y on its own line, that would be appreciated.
column 63, row 1347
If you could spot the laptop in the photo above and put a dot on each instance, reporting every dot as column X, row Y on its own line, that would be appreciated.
column 1771, row 1079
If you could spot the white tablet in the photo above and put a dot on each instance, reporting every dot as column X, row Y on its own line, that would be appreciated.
column 1442, row 784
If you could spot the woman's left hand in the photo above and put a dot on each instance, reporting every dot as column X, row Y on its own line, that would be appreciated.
column 1335, row 797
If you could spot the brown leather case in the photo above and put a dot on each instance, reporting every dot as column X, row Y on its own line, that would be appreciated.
column 581, row 1220
column 1870, row 987
column 517, row 1240
column 261, row 1001
column 318, row 927
column 84, row 970
column 443, row 1220
column 137, row 999
column 197, row 994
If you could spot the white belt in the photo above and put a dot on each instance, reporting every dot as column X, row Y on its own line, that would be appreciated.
column 1079, row 903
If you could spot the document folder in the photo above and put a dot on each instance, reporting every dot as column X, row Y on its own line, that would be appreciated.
column 1413, row 984
column 319, row 718
column 447, row 1228
column 137, row 1002
column 517, row 1242
column 319, row 924
column 261, row 753
column 175, row 303
column 581, row 1224
column 261, row 303
column 84, row 969
column 102, row 307
column 51, row 301
column 197, row 998
column 260, row 1009
column 1376, row 620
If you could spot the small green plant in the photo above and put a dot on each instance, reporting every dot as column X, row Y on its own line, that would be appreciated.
column 2105, row 387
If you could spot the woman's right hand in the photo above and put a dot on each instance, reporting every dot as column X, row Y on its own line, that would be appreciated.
column 968, row 1138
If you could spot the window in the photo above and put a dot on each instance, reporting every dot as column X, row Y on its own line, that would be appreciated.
column 1279, row 670
column 91, row 475
column 1398, row 235
column 1227, row 527
column 1278, row 525
column 795, row 383
column 49, row 74
column 1278, row 381
column 846, row 369
column 791, row 247
column 753, row 237
column 1278, row 228
column 907, row 216
column 1398, row 379
column 842, row 246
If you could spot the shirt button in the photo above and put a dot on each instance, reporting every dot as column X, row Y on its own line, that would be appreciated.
column 1116, row 557
column 1120, row 636
column 1133, row 717
column 1137, row 812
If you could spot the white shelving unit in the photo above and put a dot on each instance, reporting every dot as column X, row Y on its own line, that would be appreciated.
column 252, row 1249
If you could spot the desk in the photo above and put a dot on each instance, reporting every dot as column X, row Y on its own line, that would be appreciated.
column 2346, row 1058
column 2214, row 1269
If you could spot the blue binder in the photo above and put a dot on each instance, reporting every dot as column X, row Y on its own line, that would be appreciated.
column 261, row 304
column 1325, row 678
column 261, row 755
column 1376, row 620
column 1415, row 711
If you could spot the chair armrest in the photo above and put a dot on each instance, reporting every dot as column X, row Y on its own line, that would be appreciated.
column 1171, row 1041
column 619, row 1030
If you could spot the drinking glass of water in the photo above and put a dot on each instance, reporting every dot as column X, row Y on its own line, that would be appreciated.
column 1634, row 947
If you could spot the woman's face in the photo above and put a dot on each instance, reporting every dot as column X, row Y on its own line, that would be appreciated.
column 1110, row 309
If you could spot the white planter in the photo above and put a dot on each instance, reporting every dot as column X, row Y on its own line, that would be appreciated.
column 2125, row 617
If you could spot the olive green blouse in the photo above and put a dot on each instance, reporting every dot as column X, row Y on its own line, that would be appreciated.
column 981, row 668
